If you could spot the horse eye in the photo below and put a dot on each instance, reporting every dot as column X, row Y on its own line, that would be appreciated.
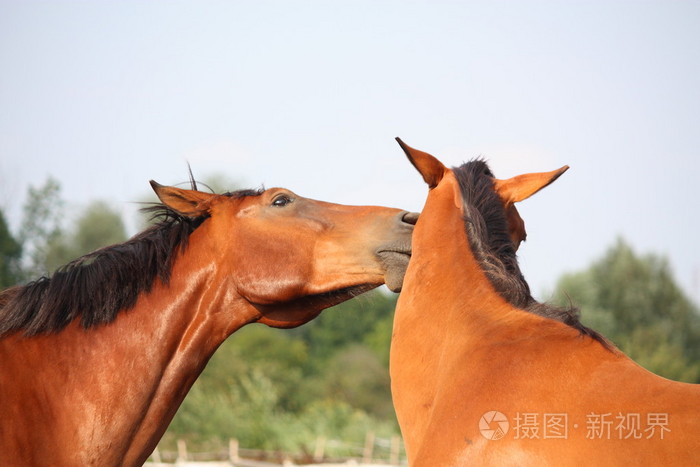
column 281, row 201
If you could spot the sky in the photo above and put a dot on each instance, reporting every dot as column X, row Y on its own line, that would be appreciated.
column 309, row 95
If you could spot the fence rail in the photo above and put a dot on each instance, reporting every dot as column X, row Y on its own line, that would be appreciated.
column 375, row 452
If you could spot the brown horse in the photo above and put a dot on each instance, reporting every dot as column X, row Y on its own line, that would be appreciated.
column 97, row 359
column 484, row 375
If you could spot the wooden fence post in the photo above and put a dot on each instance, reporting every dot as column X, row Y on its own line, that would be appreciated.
column 320, row 451
column 233, row 451
column 369, row 448
column 181, row 451
column 395, row 450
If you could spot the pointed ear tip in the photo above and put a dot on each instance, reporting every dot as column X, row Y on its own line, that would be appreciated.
column 560, row 171
column 406, row 150
column 154, row 184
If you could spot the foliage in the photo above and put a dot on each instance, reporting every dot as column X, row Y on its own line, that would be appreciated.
column 634, row 301
column 352, row 322
column 98, row 225
column 41, row 227
column 10, row 256
column 356, row 375
column 282, row 389
column 48, row 246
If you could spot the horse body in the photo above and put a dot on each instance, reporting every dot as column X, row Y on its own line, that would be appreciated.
column 104, row 395
column 460, row 351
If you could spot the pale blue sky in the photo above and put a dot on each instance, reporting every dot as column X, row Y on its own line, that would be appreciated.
column 309, row 95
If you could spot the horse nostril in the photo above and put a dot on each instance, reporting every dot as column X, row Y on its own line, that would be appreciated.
column 410, row 217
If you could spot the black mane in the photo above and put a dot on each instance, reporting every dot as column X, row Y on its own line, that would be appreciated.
column 487, row 230
column 97, row 286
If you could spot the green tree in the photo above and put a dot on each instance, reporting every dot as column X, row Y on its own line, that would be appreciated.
column 356, row 376
column 48, row 244
column 247, row 388
column 281, row 389
column 10, row 256
column 98, row 225
column 41, row 226
column 634, row 301
column 350, row 323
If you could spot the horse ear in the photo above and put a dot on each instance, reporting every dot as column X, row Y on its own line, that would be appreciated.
column 523, row 186
column 189, row 203
column 429, row 167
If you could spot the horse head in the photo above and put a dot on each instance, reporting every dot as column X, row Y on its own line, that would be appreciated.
column 291, row 257
column 510, row 191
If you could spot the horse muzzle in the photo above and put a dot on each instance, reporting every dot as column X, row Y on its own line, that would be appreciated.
column 395, row 255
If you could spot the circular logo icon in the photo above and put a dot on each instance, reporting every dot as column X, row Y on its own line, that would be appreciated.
column 493, row 425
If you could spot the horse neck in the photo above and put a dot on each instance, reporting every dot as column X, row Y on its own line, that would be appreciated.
column 198, row 310
column 445, row 275
column 447, row 309
column 135, row 371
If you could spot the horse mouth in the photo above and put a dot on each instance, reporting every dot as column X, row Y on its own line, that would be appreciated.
column 395, row 262
column 295, row 312
column 335, row 297
column 324, row 300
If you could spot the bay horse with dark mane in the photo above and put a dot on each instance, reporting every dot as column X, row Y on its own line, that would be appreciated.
column 96, row 359
column 482, row 374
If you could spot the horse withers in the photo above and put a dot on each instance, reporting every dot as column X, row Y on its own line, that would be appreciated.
column 96, row 359
column 482, row 374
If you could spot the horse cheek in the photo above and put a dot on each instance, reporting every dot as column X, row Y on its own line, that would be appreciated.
column 281, row 277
